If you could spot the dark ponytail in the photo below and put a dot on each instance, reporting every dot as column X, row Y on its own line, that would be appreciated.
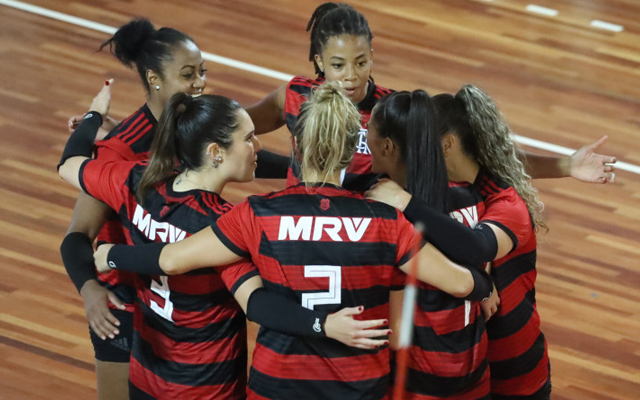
column 409, row 120
column 334, row 19
column 187, row 126
column 139, row 44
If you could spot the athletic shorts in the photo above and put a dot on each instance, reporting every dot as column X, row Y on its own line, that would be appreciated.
column 117, row 349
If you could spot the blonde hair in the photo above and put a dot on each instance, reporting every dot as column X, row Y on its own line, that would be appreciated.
column 326, row 132
column 496, row 148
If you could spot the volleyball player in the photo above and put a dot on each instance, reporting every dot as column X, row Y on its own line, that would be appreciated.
column 340, row 51
column 168, row 61
column 478, row 149
column 448, row 355
column 317, row 243
column 190, row 335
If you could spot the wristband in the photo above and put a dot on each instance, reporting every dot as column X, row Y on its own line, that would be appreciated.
column 142, row 259
column 81, row 141
column 482, row 286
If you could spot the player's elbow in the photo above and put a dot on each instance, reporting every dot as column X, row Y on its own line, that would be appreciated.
column 64, row 171
column 169, row 263
column 464, row 286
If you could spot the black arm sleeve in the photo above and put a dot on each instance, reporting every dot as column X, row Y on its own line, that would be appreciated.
column 77, row 256
column 276, row 312
column 81, row 141
column 482, row 285
column 272, row 165
column 461, row 244
column 142, row 259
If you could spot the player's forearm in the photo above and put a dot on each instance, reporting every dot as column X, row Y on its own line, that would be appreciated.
column 76, row 250
column 545, row 167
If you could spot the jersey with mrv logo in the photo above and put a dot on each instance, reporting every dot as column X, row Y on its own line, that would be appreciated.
column 326, row 248
column 312, row 228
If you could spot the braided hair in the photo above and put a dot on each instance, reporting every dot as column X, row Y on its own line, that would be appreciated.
column 334, row 19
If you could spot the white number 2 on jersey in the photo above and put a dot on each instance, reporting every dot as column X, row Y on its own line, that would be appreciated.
column 334, row 295
column 162, row 289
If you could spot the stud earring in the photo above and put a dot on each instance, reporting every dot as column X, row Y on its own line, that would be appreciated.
column 157, row 87
column 216, row 161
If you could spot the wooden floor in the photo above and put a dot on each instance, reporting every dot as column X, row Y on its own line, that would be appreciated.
column 557, row 79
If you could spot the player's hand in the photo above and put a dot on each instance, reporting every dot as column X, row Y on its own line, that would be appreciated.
column 73, row 122
column 96, row 300
column 100, row 104
column 100, row 258
column 102, row 100
column 587, row 166
column 490, row 306
column 389, row 192
column 342, row 327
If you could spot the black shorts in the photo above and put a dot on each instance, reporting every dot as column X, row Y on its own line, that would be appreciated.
column 117, row 349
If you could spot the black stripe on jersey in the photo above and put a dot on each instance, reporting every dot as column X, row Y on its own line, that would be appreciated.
column 138, row 394
column 455, row 342
column 228, row 243
column 298, row 204
column 506, row 230
column 522, row 364
column 346, row 254
column 324, row 347
column 303, row 85
column 214, row 373
column 371, row 98
column 499, row 327
column 139, row 133
column 420, row 382
column 129, row 131
column 209, row 333
column 242, row 280
column 514, row 268
column 278, row 388
column 433, row 300
column 189, row 302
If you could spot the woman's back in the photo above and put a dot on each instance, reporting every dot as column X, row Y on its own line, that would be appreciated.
column 189, row 332
column 327, row 248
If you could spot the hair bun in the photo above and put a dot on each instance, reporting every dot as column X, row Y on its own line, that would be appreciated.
column 128, row 41
column 328, row 90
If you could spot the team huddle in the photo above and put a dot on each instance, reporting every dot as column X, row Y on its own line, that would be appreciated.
column 321, row 265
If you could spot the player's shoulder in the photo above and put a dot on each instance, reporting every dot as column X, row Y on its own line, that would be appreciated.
column 303, row 85
column 380, row 91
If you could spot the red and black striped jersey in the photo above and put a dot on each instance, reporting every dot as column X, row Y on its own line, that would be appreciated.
column 517, row 353
column 448, row 356
column 189, row 333
column 128, row 141
column 326, row 248
column 357, row 176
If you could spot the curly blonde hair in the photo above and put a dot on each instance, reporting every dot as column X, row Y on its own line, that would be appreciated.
column 490, row 142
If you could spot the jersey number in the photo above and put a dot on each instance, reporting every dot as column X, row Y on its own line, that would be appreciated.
column 334, row 295
column 162, row 290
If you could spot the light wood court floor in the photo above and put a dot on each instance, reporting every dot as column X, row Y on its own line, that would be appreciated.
column 557, row 79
